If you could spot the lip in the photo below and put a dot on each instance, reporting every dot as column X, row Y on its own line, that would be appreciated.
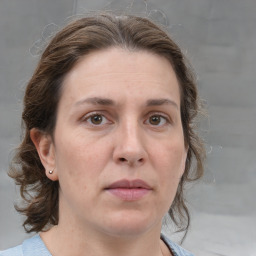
column 129, row 184
column 129, row 190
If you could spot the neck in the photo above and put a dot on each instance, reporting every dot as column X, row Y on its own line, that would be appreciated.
column 68, row 241
column 74, row 236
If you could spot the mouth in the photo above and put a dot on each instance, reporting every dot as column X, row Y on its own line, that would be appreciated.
column 129, row 190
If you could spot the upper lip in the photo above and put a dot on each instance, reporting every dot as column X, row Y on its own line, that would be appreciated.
column 129, row 184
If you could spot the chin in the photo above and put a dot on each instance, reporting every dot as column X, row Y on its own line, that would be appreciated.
column 130, row 225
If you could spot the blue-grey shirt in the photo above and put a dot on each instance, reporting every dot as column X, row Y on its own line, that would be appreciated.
column 35, row 247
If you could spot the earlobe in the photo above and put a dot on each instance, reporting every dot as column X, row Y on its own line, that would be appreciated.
column 45, row 149
column 52, row 174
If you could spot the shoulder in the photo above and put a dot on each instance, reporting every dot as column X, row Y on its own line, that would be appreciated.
column 33, row 246
column 175, row 248
column 15, row 251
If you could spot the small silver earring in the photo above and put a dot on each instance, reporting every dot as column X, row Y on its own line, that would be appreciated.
column 51, row 172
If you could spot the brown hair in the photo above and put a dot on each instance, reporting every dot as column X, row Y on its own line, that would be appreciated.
column 43, row 93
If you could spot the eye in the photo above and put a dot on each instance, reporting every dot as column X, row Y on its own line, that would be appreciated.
column 96, row 119
column 157, row 120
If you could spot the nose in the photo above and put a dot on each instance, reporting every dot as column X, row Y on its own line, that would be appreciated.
column 129, row 147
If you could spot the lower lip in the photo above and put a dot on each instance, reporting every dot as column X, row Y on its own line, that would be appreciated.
column 129, row 194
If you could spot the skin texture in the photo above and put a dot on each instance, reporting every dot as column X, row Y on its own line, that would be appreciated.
column 134, row 133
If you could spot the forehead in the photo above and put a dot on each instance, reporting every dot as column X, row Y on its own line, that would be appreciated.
column 117, row 72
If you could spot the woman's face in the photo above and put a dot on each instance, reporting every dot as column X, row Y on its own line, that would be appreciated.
column 118, row 145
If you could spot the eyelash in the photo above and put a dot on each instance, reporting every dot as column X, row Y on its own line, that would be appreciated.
column 162, row 117
column 94, row 114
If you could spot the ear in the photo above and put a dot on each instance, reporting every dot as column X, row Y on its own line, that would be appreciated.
column 46, row 151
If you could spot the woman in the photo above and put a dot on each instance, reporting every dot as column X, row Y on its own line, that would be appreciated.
column 109, row 141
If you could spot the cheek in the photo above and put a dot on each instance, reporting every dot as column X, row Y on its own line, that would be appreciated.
column 171, row 158
column 80, row 161
column 169, row 169
column 169, row 164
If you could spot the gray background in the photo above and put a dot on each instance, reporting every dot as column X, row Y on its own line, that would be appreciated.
column 219, row 38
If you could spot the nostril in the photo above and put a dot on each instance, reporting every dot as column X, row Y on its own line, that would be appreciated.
column 132, row 161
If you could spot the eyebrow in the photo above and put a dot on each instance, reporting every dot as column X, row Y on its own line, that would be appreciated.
column 159, row 102
column 109, row 102
column 96, row 101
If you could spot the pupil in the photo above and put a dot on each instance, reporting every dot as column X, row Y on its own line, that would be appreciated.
column 155, row 120
column 97, row 119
